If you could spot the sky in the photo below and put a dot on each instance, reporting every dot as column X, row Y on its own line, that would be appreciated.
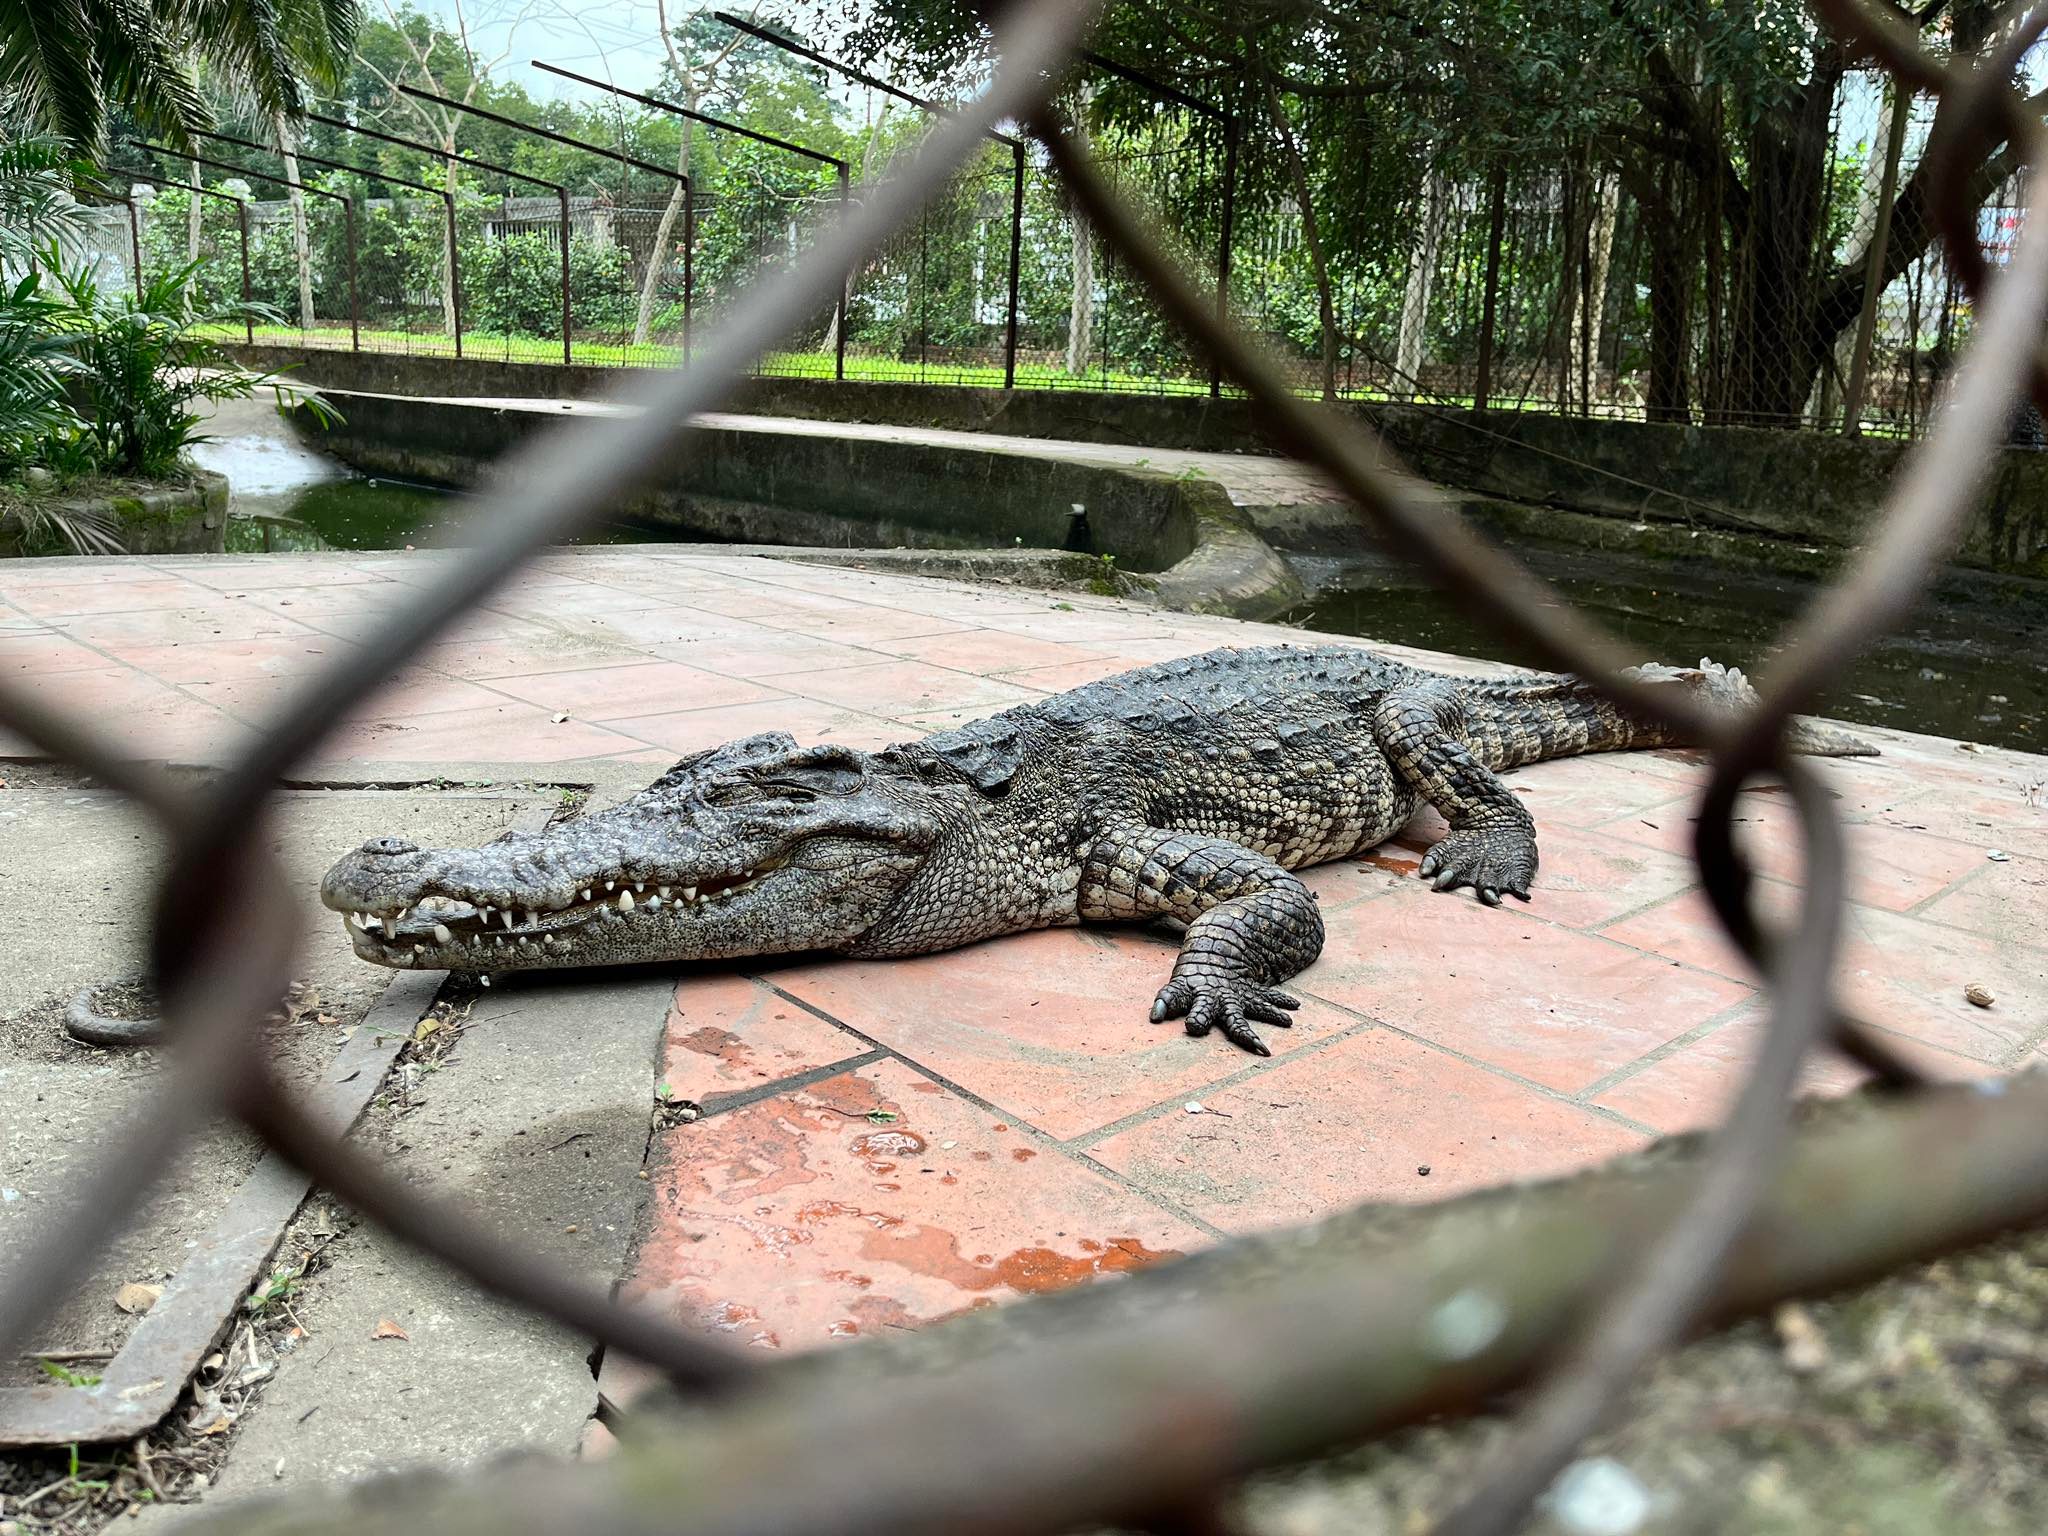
column 616, row 40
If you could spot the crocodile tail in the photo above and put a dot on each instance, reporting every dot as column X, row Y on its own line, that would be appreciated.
column 1548, row 714
column 1544, row 715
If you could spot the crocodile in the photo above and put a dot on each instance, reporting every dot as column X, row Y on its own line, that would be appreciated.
column 1188, row 791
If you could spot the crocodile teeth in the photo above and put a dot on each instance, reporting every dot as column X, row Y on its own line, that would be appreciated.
column 689, row 893
column 390, row 927
column 484, row 911
column 611, row 885
column 584, row 894
column 507, row 915
column 625, row 901
column 667, row 891
column 441, row 933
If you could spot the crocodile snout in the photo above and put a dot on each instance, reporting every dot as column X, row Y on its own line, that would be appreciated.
column 389, row 847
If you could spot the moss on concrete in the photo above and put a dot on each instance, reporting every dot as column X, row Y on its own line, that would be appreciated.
column 186, row 516
column 1805, row 488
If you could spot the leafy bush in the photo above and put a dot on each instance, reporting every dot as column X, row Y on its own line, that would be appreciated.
column 137, row 364
column 513, row 286
column 33, row 365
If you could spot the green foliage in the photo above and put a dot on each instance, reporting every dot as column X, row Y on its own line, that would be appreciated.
column 68, row 62
column 34, row 363
column 513, row 286
column 57, row 1371
column 137, row 365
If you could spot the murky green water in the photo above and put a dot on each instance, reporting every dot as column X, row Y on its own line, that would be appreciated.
column 1972, row 663
column 372, row 514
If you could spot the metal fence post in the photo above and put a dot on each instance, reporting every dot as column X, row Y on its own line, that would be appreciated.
column 562, row 202
column 454, row 271
column 248, row 318
column 355, row 307
column 1016, row 261
column 1496, row 216
column 845, row 291
column 135, row 240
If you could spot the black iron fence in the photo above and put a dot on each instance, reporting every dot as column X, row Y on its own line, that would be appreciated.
column 1076, row 1436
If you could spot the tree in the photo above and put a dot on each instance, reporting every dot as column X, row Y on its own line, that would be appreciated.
column 66, row 60
column 1714, row 117
column 415, row 51
column 693, row 65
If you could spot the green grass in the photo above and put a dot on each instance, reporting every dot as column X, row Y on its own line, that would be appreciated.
column 869, row 370
column 802, row 365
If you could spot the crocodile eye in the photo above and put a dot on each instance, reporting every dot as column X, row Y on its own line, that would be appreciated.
column 731, row 793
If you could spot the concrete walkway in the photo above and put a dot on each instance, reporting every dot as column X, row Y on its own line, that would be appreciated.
column 886, row 1143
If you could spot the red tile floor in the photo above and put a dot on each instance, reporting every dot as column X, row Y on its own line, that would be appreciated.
column 886, row 1143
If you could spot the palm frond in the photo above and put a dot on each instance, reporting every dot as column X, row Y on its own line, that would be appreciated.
column 49, row 58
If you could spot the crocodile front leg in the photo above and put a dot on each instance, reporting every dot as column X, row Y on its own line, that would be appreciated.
column 1492, row 846
column 1250, row 924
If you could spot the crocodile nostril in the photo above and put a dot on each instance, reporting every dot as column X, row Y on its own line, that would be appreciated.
column 390, row 845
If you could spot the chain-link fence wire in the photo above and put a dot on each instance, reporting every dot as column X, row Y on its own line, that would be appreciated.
column 223, row 937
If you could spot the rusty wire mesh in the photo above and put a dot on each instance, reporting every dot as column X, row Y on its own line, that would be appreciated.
column 219, row 972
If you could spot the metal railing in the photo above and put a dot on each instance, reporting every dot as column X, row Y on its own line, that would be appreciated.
column 224, row 925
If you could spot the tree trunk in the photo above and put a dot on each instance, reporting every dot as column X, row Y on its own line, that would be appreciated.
column 1311, row 235
column 1868, row 185
column 1672, row 255
column 1773, row 351
column 193, row 212
column 449, row 255
column 1411, row 347
column 1588, row 316
column 664, row 231
column 1081, row 308
column 301, row 247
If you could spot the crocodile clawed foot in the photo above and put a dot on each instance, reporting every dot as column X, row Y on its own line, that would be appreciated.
column 1494, row 861
column 1226, row 1003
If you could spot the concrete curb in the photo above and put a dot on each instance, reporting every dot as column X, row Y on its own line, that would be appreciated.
column 1176, row 540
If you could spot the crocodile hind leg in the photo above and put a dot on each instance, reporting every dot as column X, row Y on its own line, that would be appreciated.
column 1492, row 844
column 1249, row 924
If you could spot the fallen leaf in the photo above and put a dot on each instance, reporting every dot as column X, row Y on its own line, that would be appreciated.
column 219, row 1426
column 424, row 1028
column 387, row 1329
column 136, row 1298
column 1981, row 996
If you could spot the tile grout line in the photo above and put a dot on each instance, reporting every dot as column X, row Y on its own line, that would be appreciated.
column 988, row 1106
column 1088, row 1140
column 1555, row 1095
column 1712, row 1024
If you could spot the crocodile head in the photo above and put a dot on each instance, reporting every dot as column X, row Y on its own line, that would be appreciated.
column 756, row 847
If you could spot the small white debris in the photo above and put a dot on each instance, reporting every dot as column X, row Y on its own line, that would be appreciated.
column 1465, row 1325
column 1978, row 996
column 558, row 719
column 947, row 1146
column 9, row 1196
column 1997, row 855
column 1193, row 1107
column 1598, row 1496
